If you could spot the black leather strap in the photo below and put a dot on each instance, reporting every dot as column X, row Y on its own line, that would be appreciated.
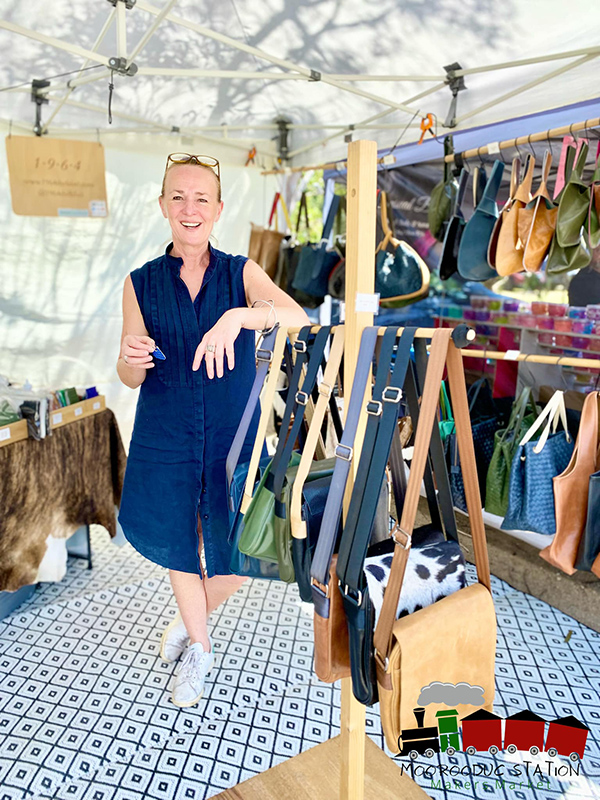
column 370, row 474
column 437, row 456
column 276, row 478
column 321, row 560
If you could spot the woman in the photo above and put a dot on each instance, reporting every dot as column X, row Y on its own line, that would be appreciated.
column 196, row 304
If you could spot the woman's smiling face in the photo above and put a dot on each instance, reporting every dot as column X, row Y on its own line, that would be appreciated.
column 191, row 203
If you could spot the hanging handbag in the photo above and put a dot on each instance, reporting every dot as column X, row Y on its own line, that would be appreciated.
column 291, row 258
column 401, row 275
column 472, row 253
column 593, row 222
column 446, row 423
column 257, row 538
column 241, row 482
column 514, row 184
column 442, row 198
column 505, row 443
column 317, row 261
column 588, row 558
column 537, row 222
column 454, row 231
column 454, row 639
column 484, row 427
column 510, row 248
column 571, row 492
column 569, row 249
column 265, row 242
column 534, row 465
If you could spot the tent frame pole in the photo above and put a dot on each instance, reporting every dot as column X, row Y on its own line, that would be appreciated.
column 74, row 49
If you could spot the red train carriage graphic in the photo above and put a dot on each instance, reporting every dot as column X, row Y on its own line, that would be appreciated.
column 482, row 731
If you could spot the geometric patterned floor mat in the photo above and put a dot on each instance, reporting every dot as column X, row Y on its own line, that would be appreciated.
column 85, row 710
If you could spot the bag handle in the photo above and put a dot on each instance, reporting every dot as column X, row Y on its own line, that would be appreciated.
column 273, row 210
column 518, row 412
column 325, row 392
column 442, row 353
column 460, row 194
column 265, row 416
column 303, row 207
column 264, row 357
column 523, row 193
column 369, row 476
column 328, row 227
column 297, row 402
column 344, row 453
column 445, row 407
column 555, row 409
column 487, row 204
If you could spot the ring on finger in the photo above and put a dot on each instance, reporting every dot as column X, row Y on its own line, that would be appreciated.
column 125, row 359
column 211, row 348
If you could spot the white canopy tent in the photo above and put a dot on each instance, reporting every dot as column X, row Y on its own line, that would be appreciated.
column 213, row 78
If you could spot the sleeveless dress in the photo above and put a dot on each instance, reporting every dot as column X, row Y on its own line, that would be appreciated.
column 185, row 421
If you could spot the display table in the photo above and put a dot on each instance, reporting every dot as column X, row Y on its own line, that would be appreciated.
column 54, row 486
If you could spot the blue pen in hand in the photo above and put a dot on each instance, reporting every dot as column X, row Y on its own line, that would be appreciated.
column 158, row 354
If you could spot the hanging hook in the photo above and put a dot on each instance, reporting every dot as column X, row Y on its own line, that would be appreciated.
column 530, row 145
column 549, row 143
column 516, row 146
column 573, row 135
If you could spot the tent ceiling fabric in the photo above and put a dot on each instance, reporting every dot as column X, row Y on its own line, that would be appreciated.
column 348, row 37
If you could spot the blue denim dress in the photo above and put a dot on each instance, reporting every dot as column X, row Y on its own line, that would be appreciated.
column 185, row 421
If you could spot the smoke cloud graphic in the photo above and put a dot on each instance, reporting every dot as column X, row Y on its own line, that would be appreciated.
column 451, row 694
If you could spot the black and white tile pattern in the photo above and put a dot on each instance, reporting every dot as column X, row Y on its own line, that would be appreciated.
column 85, row 710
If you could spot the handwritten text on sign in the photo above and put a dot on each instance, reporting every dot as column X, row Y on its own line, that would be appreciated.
column 56, row 177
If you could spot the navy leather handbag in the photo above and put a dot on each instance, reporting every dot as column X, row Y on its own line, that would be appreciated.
column 472, row 252
column 534, row 465
column 316, row 261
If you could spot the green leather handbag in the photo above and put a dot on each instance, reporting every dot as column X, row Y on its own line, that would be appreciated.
column 506, row 442
column 442, row 200
column 570, row 246
column 258, row 537
column 446, row 423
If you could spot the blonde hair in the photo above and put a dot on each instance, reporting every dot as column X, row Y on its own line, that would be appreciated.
column 192, row 164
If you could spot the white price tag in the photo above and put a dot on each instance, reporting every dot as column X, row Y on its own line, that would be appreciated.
column 389, row 159
column 493, row 148
column 367, row 302
column 340, row 166
column 96, row 405
column 512, row 355
column 4, row 434
column 78, row 411
column 57, row 418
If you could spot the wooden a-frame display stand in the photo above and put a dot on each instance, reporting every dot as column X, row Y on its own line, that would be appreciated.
column 349, row 766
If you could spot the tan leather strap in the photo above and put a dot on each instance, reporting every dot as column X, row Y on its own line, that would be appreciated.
column 325, row 390
column 266, row 403
column 427, row 415
column 543, row 187
column 523, row 193
column 515, row 174
column 441, row 350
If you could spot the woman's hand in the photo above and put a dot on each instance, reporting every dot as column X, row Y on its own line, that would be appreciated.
column 220, row 337
column 136, row 350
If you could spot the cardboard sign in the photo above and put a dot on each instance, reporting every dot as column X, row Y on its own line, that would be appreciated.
column 56, row 177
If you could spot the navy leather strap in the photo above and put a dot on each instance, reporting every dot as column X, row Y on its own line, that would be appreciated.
column 370, row 474
column 297, row 404
column 321, row 560
column 264, row 356
column 437, row 456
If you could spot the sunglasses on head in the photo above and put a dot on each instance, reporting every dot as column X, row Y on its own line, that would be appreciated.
column 187, row 158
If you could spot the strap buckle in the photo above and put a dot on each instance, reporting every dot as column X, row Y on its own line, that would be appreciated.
column 405, row 539
column 301, row 398
column 391, row 394
column 384, row 664
column 347, row 593
column 374, row 407
column 349, row 452
column 300, row 346
column 264, row 355
column 325, row 389
column 321, row 587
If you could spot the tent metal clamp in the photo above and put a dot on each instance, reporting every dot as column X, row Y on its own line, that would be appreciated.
column 120, row 66
column 129, row 4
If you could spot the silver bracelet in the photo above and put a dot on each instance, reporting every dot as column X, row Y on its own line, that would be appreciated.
column 273, row 311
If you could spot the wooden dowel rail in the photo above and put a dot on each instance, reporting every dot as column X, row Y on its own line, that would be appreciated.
column 532, row 358
column 542, row 136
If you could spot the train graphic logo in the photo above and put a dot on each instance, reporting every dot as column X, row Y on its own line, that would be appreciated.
column 482, row 731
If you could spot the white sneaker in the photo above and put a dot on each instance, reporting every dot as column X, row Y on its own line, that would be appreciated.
column 174, row 640
column 189, row 681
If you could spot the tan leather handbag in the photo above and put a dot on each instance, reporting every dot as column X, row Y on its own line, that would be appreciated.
column 537, row 222
column 509, row 251
column 571, row 491
column 453, row 640
column 514, row 183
